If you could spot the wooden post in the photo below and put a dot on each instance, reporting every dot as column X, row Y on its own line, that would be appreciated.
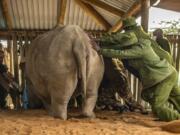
column 15, row 62
column 178, row 53
column 145, row 14
column 9, row 43
column 62, row 11
column 21, row 73
column 6, row 13
column 139, row 92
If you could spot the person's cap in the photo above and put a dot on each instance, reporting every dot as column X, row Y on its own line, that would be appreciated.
column 129, row 21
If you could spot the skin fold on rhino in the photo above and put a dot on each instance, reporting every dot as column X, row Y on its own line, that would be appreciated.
column 59, row 60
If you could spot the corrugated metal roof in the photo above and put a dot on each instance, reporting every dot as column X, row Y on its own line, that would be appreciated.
column 33, row 14
column 76, row 15
column 42, row 14
column 2, row 20
column 123, row 5
column 111, row 18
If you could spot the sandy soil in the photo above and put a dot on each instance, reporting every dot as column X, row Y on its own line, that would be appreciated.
column 38, row 122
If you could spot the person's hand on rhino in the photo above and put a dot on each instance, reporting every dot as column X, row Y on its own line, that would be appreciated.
column 97, row 48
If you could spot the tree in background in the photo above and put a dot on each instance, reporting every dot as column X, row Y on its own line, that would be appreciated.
column 171, row 27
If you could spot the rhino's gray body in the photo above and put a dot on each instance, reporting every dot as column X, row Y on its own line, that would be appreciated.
column 56, row 62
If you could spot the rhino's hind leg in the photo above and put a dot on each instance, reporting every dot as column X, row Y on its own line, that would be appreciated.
column 60, row 96
column 89, row 102
column 59, row 109
column 92, row 93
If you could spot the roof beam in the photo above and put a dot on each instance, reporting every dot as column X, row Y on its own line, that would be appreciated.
column 105, row 6
column 145, row 14
column 62, row 11
column 6, row 14
column 94, row 14
column 4, row 35
column 135, row 8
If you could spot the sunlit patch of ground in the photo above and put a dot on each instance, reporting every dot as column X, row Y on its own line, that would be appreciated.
column 38, row 122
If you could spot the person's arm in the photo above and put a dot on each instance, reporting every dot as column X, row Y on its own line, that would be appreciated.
column 134, row 52
column 110, row 39
column 121, row 40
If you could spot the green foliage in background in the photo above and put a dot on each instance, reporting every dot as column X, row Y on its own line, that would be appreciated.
column 171, row 27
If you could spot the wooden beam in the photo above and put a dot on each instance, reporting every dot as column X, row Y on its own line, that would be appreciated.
column 62, row 11
column 6, row 14
column 94, row 14
column 4, row 34
column 8, row 34
column 132, row 11
column 105, row 6
column 173, row 5
column 145, row 14
column 152, row 2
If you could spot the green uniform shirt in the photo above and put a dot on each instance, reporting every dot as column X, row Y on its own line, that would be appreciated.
column 142, row 58
column 164, row 44
column 140, row 33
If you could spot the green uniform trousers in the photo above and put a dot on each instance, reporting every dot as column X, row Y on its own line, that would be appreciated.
column 163, row 96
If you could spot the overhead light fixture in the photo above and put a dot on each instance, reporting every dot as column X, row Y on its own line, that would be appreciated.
column 157, row 2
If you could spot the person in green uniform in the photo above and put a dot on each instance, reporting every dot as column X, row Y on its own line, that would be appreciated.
column 130, row 25
column 115, row 72
column 161, row 40
column 150, row 65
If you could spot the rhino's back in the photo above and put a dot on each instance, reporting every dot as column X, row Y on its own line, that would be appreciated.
column 52, row 50
column 50, row 58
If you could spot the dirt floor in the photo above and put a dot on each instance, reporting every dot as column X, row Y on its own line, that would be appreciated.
column 38, row 122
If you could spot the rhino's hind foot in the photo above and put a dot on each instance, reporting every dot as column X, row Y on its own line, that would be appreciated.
column 60, row 116
column 88, row 115
column 59, row 111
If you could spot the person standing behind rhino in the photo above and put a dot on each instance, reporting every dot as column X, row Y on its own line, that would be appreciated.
column 161, row 40
column 130, row 25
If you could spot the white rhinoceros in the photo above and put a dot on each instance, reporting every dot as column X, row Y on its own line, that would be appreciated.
column 59, row 60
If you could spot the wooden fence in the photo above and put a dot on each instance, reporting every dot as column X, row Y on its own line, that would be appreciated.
column 175, row 42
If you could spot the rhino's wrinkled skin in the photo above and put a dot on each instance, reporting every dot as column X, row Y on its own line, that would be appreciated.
column 59, row 60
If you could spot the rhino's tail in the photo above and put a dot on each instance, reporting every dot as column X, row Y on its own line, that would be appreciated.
column 79, row 51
